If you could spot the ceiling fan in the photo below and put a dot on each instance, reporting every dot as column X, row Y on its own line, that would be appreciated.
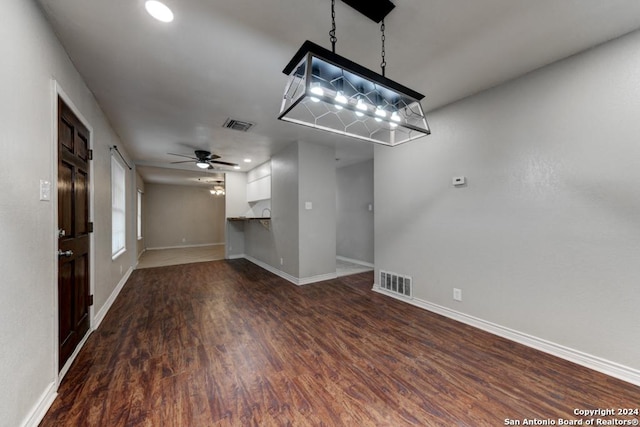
column 203, row 159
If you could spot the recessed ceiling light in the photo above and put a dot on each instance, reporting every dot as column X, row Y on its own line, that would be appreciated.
column 247, row 160
column 159, row 10
column 236, row 167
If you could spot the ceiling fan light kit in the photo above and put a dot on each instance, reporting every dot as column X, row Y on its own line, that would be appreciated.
column 204, row 160
column 329, row 92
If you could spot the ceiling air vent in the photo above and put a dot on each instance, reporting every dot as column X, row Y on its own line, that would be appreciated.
column 240, row 125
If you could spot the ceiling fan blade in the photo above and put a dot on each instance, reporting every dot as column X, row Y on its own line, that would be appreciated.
column 182, row 155
column 185, row 161
column 213, row 157
column 219, row 162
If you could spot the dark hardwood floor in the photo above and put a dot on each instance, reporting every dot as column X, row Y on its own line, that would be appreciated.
column 227, row 343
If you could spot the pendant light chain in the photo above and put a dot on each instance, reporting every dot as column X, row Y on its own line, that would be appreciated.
column 332, row 33
column 383, row 64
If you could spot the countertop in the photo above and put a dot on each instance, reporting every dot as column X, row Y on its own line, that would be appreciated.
column 247, row 218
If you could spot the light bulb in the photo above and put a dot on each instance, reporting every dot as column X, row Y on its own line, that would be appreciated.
column 316, row 89
column 202, row 165
column 341, row 99
column 395, row 116
column 380, row 112
column 159, row 11
column 360, row 105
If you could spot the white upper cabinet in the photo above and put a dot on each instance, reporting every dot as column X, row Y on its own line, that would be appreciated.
column 259, row 189
column 259, row 183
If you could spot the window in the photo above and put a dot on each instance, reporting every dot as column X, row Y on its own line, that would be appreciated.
column 118, row 217
column 139, row 223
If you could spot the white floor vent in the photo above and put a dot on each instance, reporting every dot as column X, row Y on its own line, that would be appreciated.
column 396, row 283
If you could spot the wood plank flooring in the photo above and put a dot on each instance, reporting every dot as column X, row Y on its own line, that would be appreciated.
column 226, row 343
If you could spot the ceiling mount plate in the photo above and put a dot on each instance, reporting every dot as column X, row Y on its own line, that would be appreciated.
column 375, row 10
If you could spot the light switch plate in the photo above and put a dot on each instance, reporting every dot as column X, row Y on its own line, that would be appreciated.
column 308, row 205
column 45, row 190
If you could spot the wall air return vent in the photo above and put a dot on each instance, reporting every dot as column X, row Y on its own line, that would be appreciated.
column 396, row 283
column 238, row 125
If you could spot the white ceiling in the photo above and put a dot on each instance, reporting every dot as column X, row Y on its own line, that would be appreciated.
column 168, row 88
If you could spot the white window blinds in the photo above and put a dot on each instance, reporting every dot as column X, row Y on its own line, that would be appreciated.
column 118, row 204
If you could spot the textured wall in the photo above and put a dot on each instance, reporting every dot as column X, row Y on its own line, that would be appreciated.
column 545, row 238
column 284, row 212
column 180, row 215
column 317, row 184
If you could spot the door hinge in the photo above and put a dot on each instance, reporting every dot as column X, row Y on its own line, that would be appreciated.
column 90, row 300
column 90, row 154
column 90, row 227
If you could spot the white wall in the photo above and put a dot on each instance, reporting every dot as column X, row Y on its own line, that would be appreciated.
column 545, row 238
column 354, row 220
column 183, row 216
column 28, row 314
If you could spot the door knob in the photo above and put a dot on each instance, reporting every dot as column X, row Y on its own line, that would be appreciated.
column 68, row 253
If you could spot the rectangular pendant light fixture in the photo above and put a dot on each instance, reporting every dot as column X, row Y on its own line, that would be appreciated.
column 329, row 92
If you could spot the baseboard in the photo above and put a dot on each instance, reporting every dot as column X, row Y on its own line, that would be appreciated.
column 98, row 318
column 46, row 399
column 42, row 406
column 289, row 277
column 317, row 278
column 272, row 269
column 201, row 245
column 237, row 256
column 355, row 261
column 73, row 356
column 604, row 366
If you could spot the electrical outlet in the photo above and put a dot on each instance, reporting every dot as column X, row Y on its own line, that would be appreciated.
column 457, row 294
column 281, row 261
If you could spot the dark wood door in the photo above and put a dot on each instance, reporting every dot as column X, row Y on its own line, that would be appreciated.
column 73, row 232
